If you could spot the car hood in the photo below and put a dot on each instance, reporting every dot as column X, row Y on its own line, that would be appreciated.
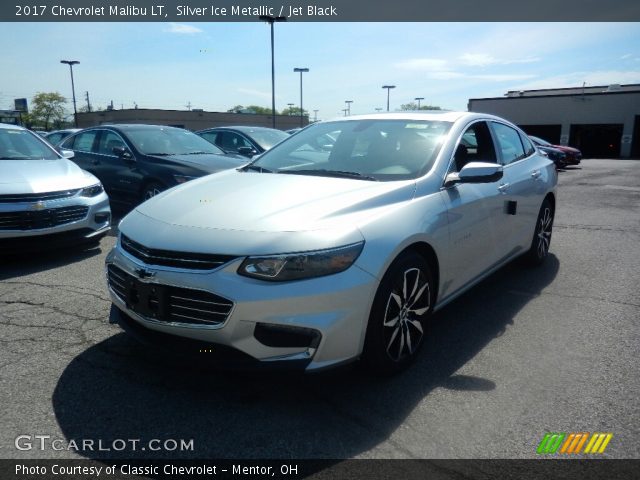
column 38, row 176
column 235, row 211
column 209, row 162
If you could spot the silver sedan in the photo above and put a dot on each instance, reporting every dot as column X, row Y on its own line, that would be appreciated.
column 45, row 199
column 336, row 245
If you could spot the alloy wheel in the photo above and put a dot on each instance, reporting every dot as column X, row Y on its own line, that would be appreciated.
column 408, row 301
column 544, row 232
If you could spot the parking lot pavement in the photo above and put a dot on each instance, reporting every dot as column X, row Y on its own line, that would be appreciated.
column 526, row 352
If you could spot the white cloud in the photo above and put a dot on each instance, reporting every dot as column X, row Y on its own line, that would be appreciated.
column 182, row 29
column 484, row 60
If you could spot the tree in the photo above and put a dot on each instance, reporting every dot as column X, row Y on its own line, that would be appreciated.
column 294, row 111
column 47, row 108
column 414, row 106
column 255, row 109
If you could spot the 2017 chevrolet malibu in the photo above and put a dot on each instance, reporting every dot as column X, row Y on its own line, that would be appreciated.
column 315, row 255
column 46, row 199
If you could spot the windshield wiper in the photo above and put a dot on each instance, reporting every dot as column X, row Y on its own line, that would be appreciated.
column 330, row 173
column 160, row 154
column 17, row 158
column 254, row 168
column 197, row 153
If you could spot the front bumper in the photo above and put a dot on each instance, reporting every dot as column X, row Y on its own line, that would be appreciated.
column 91, row 227
column 266, row 317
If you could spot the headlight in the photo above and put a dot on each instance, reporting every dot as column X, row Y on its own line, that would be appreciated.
column 92, row 191
column 183, row 178
column 296, row 266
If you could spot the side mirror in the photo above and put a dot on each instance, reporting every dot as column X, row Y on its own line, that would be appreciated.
column 475, row 172
column 69, row 154
column 123, row 153
column 247, row 151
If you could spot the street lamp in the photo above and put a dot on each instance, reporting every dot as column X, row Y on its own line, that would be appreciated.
column 345, row 110
column 301, row 70
column 418, row 99
column 270, row 20
column 315, row 115
column 71, row 63
column 378, row 109
column 388, row 87
column 348, row 103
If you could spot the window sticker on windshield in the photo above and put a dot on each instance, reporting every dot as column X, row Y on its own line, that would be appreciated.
column 417, row 125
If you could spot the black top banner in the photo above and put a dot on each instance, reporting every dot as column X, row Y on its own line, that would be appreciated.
column 320, row 10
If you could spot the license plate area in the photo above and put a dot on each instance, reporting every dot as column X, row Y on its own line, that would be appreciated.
column 146, row 299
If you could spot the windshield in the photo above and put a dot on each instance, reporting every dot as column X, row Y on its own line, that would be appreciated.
column 539, row 141
column 267, row 138
column 169, row 141
column 370, row 149
column 23, row 145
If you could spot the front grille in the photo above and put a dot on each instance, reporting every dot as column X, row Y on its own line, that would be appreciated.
column 167, row 258
column 37, row 197
column 166, row 303
column 39, row 219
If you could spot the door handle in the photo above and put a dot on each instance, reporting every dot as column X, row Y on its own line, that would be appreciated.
column 535, row 173
column 503, row 187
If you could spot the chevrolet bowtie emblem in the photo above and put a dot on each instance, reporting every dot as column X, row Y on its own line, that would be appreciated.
column 37, row 206
column 144, row 273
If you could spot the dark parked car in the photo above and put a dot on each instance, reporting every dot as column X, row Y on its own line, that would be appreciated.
column 573, row 155
column 247, row 141
column 136, row 162
column 56, row 136
column 558, row 156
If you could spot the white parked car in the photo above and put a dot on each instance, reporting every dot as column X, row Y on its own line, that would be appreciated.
column 46, row 200
column 318, row 253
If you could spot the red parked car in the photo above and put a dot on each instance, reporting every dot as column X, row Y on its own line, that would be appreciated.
column 573, row 154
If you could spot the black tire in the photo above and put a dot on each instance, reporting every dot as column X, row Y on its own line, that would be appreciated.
column 539, row 250
column 398, row 318
column 150, row 190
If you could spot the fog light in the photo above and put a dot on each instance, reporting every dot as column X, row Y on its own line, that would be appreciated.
column 284, row 336
column 102, row 217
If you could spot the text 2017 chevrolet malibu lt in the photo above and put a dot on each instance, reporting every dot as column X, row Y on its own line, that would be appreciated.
column 46, row 199
column 319, row 253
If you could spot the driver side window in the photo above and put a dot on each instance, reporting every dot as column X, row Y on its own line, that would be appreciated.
column 475, row 145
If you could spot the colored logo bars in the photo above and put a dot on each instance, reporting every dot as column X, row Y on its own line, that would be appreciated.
column 573, row 443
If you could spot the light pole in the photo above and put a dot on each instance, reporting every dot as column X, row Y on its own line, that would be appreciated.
column 388, row 87
column 301, row 70
column 290, row 105
column 345, row 110
column 71, row 63
column 418, row 99
column 270, row 20
column 348, row 103
column 315, row 115
column 378, row 109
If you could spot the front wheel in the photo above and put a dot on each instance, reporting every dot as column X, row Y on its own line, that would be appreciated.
column 398, row 318
column 539, row 250
column 150, row 190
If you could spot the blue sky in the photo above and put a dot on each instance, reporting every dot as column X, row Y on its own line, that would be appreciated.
column 215, row 66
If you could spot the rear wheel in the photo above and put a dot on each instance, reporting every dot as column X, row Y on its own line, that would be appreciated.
column 397, row 321
column 539, row 250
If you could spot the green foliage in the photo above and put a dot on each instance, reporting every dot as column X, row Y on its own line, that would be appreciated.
column 47, row 110
column 413, row 106
column 255, row 109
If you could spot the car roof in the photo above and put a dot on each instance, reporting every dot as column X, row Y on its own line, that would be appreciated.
column 10, row 126
column 438, row 115
column 242, row 128
column 135, row 126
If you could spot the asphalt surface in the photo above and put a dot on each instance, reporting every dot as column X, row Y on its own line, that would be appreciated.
column 528, row 351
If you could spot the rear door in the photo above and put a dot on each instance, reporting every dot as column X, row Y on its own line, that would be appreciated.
column 122, row 177
column 520, row 186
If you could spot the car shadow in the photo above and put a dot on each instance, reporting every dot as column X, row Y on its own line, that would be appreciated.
column 19, row 264
column 119, row 389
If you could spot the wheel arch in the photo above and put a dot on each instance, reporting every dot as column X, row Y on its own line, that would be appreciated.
column 426, row 251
